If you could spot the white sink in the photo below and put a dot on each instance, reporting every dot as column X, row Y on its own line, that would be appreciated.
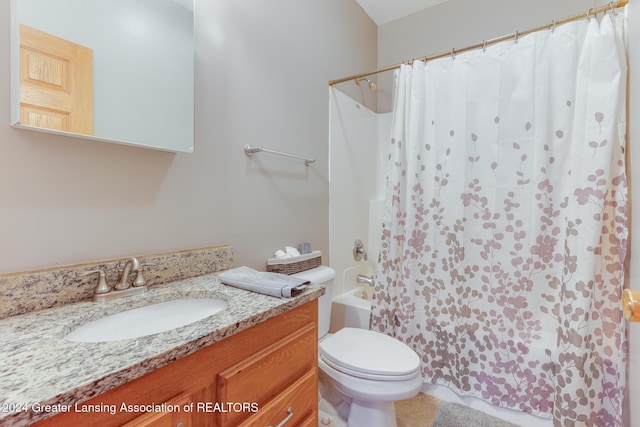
column 147, row 320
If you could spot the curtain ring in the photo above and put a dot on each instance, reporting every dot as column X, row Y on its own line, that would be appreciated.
column 613, row 9
column 589, row 14
column 484, row 45
column 516, row 36
column 553, row 25
column 453, row 53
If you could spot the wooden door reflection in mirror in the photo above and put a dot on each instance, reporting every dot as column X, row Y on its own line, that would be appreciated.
column 56, row 83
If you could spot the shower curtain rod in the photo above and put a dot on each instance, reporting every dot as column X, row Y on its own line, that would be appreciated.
column 593, row 11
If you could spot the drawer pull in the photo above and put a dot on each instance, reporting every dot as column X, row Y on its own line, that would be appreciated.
column 283, row 422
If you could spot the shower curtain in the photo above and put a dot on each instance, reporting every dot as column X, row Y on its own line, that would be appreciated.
column 505, row 223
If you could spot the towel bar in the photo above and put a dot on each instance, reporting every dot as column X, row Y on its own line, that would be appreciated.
column 250, row 150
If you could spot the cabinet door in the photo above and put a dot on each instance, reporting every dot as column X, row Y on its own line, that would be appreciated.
column 177, row 418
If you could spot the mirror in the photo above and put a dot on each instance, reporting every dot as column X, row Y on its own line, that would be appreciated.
column 112, row 70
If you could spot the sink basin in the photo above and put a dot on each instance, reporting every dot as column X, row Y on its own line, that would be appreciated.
column 147, row 320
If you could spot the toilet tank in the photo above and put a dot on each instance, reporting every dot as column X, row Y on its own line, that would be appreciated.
column 321, row 275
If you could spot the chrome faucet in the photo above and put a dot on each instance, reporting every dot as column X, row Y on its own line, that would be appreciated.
column 361, row 278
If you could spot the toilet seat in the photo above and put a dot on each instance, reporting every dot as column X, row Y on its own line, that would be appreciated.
column 370, row 355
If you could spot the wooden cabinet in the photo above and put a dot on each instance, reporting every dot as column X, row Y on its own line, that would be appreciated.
column 260, row 376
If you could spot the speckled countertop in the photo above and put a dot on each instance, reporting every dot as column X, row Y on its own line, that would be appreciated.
column 38, row 367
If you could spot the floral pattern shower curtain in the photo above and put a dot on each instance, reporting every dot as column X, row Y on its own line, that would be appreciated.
column 505, row 223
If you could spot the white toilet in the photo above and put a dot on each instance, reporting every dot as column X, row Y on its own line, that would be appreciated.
column 362, row 372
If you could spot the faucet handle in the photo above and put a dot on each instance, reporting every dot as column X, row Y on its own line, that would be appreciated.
column 358, row 250
column 103, row 287
column 139, row 280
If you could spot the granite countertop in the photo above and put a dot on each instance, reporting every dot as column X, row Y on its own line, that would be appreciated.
column 38, row 367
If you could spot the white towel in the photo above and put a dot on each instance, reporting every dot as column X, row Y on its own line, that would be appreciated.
column 291, row 251
column 274, row 284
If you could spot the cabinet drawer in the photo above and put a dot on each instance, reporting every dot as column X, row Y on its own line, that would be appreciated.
column 298, row 404
column 166, row 419
column 260, row 377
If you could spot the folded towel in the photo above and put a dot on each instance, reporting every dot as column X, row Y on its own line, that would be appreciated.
column 274, row 284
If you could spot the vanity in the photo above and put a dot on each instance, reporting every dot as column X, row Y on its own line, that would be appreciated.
column 252, row 363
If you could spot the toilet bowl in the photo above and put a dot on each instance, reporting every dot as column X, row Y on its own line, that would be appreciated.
column 362, row 372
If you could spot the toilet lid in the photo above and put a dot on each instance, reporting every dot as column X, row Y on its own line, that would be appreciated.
column 369, row 354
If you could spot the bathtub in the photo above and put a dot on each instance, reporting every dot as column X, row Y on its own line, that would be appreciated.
column 352, row 309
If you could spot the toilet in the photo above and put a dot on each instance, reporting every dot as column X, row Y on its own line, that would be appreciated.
column 362, row 372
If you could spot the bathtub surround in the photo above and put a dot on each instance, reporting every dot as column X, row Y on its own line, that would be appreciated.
column 502, row 259
column 27, row 291
column 357, row 138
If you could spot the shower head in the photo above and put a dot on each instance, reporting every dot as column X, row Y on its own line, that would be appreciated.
column 372, row 85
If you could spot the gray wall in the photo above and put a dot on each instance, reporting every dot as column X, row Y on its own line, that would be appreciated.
column 261, row 78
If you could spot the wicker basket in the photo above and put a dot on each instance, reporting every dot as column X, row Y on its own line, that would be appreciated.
column 295, row 264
